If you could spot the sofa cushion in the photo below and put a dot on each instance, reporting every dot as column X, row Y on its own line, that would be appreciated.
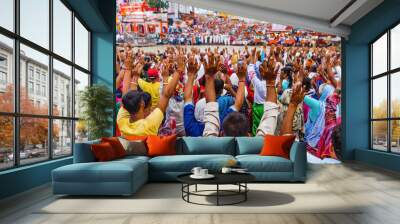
column 132, row 159
column 116, row 145
column 83, row 153
column 185, row 163
column 277, row 145
column 249, row 145
column 104, row 152
column 161, row 145
column 112, row 171
column 134, row 147
column 208, row 145
column 257, row 163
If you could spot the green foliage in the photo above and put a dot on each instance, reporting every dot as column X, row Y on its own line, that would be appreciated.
column 160, row 4
column 97, row 104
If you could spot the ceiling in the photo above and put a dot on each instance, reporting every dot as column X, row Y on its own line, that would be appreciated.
column 331, row 16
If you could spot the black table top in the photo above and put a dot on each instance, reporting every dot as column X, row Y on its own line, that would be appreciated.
column 220, row 178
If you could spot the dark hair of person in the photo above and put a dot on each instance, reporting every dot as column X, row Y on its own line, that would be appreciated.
column 307, row 83
column 235, row 124
column 219, row 86
column 288, row 69
column 146, row 67
column 202, row 81
column 131, row 100
column 290, row 80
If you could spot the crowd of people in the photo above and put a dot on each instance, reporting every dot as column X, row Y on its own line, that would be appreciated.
column 211, row 29
column 216, row 30
column 228, row 92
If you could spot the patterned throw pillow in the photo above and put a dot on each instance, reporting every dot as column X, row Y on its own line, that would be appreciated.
column 134, row 147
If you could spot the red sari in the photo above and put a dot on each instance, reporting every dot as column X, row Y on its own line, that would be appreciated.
column 325, row 147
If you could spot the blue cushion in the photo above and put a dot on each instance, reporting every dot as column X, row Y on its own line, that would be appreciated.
column 111, row 171
column 93, row 172
column 185, row 163
column 249, row 145
column 208, row 145
column 257, row 163
column 133, row 157
column 119, row 177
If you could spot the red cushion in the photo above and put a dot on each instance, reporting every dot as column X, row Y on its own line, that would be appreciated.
column 277, row 145
column 161, row 145
column 103, row 152
column 116, row 145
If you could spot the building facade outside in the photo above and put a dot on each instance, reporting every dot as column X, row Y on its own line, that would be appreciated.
column 34, row 83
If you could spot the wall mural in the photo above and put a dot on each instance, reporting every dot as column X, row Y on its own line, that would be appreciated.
column 156, row 39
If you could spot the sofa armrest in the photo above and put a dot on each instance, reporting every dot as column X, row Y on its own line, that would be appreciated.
column 298, row 156
column 83, row 152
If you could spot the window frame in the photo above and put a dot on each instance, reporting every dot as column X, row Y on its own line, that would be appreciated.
column 16, row 115
column 388, row 74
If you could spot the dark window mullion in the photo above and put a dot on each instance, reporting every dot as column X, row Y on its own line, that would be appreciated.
column 16, row 84
column 73, row 81
column 389, row 112
column 50, row 79
column 371, row 89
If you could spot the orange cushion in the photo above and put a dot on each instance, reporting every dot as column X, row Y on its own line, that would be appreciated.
column 277, row 145
column 116, row 145
column 161, row 145
column 103, row 152
column 135, row 138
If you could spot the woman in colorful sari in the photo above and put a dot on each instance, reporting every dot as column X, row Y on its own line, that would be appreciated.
column 321, row 122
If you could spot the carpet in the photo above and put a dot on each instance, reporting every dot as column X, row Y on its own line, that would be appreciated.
column 166, row 198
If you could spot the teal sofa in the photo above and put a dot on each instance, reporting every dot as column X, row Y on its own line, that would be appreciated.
column 125, row 176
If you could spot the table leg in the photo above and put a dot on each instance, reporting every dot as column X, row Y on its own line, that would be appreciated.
column 188, row 190
column 196, row 187
column 217, row 194
column 245, row 193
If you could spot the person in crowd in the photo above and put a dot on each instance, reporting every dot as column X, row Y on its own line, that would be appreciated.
column 212, row 126
column 233, row 124
column 135, row 117
column 322, row 118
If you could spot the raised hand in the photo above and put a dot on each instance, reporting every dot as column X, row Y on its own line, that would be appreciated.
column 165, row 71
column 269, row 71
column 228, row 84
column 129, row 60
column 298, row 93
column 193, row 66
column 138, row 69
column 181, row 62
column 242, row 71
column 211, row 67
column 222, row 68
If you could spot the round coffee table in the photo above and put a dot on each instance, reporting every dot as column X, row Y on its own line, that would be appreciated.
column 238, row 179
